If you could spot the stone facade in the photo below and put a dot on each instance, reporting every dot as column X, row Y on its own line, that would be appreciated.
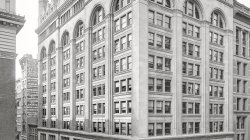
column 136, row 69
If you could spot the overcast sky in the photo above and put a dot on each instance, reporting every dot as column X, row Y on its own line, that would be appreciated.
column 27, row 38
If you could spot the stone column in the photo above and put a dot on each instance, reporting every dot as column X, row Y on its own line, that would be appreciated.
column 59, row 80
column 109, row 75
column 140, row 69
column 73, row 85
column 88, row 81
column 228, row 78
column 177, row 73
column 204, row 91
column 48, row 91
column 40, row 94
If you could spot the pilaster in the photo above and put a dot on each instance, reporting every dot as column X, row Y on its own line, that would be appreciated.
column 109, row 76
column 59, row 89
column 205, row 81
column 40, row 94
column 177, row 73
column 140, row 69
column 48, row 91
column 88, row 81
column 73, row 85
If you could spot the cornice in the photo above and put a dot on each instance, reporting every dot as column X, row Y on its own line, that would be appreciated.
column 226, row 3
column 12, row 20
column 53, row 16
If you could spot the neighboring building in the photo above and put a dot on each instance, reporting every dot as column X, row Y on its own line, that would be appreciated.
column 27, row 99
column 241, row 73
column 131, row 69
column 19, row 109
column 10, row 25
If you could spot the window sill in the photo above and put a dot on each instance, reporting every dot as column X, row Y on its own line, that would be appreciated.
column 122, row 72
column 122, row 51
column 192, row 37
column 122, row 93
column 122, row 29
column 190, row 76
column 160, row 49
column 192, row 57
column 217, row 45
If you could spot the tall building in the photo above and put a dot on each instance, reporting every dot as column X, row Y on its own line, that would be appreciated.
column 241, row 75
column 139, row 69
column 10, row 25
column 19, row 113
column 27, row 99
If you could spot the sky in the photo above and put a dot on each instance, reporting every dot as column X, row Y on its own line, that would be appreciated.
column 27, row 39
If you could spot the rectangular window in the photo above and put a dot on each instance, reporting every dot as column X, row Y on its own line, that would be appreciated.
column 129, row 63
column 117, row 86
column 159, row 85
column 123, row 64
column 167, row 107
column 123, row 107
column 151, row 17
column 159, row 106
column 117, row 45
column 151, row 129
column 184, row 67
column 190, row 30
column 167, row 22
column 197, row 32
column 167, row 85
column 151, row 61
column 117, row 107
column 129, row 18
column 159, row 63
column 197, row 51
column 123, row 21
column 150, row 106
column 167, row 64
column 117, row 25
column 190, row 69
column 129, row 107
column 123, row 43
column 159, row 41
column 117, row 66
column 159, row 129
column 129, row 37
column 151, row 84
column 129, row 84
column 151, row 39
column 184, row 28
column 123, row 85
column 167, row 43
column 159, row 19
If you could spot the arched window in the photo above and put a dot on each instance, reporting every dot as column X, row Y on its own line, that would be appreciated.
column 65, row 38
column 190, row 8
column 98, row 15
column 43, row 53
column 52, row 48
column 217, row 19
column 119, row 4
column 79, row 29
